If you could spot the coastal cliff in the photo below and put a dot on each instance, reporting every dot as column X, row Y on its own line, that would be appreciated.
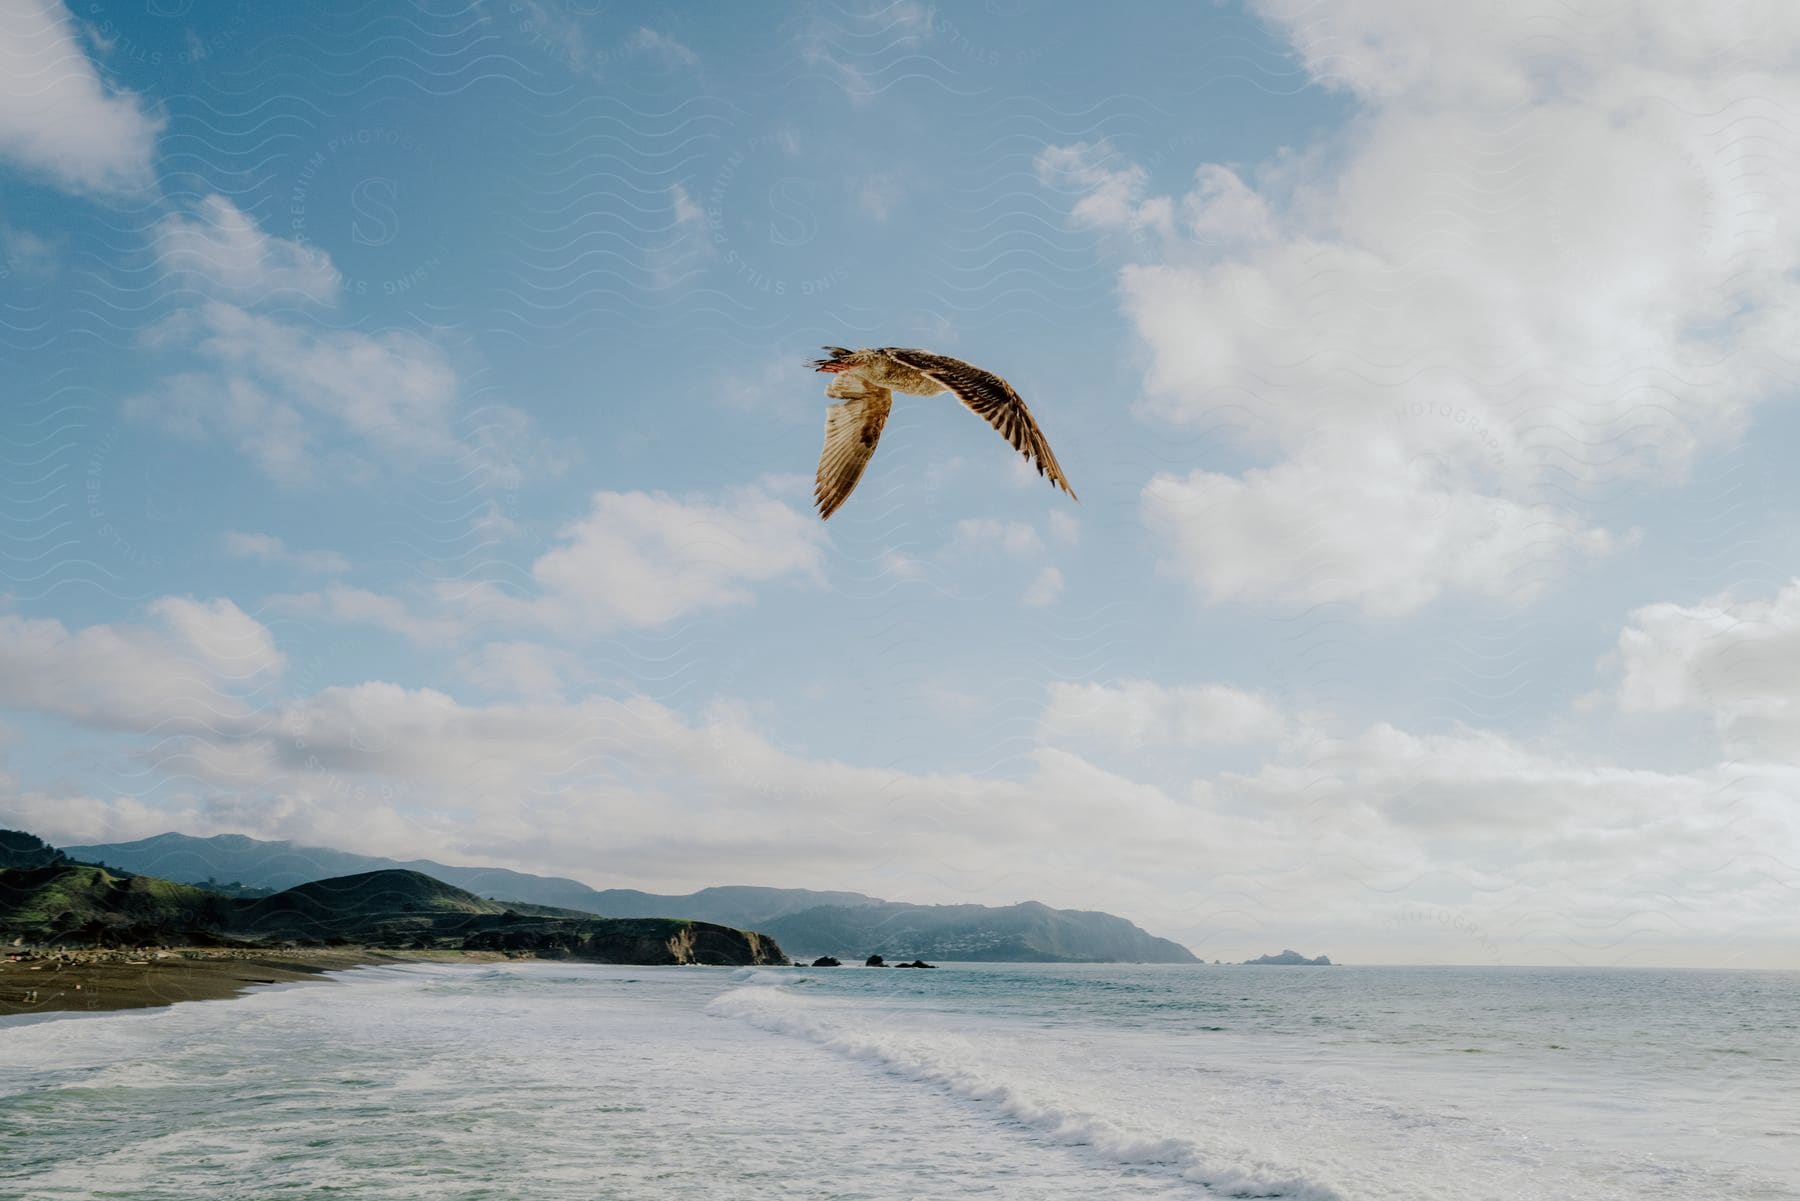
column 646, row 941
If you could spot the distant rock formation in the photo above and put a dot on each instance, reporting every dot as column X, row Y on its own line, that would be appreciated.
column 1289, row 959
column 826, row 961
column 916, row 963
column 874, row 961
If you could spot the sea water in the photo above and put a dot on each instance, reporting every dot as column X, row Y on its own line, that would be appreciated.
column 559, row 1080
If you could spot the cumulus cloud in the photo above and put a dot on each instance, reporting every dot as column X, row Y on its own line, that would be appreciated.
column 309, row 404
column 1285, row 533
column 220, row 248
column 1524, row 823
column 188, row 668
column 1447, row 318
column 644, row 559
column 1735, row 660
column 301, row 401
column 58, row 118
column 229, row 642
column 1553, row 857
column 1104, row 190
column 635, row 560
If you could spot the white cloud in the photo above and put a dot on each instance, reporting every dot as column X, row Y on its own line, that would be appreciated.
column 1552, row 857
column 310, row 404
column 229, row 642
column 689, row 245
column 58, row 118
column 687, row 209
column 1223, row 209
column 1044, row 588
column 643, row 559
column 221, row 246
column 267, row 548
column 188, row 669
column 639, row 794
column 1137, row 715
column 1107, row 192
column 1736, row 660
column 1450, row 55
column 301, row 402
column 636, row 560
column 63, row 819
column 1444, row 318
column 1309, row 531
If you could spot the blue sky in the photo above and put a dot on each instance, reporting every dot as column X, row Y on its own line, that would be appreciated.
column 410, row 443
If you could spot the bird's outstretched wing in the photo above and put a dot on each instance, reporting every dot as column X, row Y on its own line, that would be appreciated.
column 851, row 431
column 991, row 398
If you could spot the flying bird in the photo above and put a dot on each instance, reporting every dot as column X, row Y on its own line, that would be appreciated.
column 866, row 382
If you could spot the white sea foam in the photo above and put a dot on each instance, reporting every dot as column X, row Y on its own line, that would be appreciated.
column 757, row 975
column 952, row 1063
column 643, row 1084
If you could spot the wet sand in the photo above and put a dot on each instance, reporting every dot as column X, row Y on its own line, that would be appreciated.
column 87, row 981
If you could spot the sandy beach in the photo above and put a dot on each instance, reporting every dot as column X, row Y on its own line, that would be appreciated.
column 92, row 981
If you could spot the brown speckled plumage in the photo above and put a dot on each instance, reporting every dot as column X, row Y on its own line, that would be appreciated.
column 866, row 381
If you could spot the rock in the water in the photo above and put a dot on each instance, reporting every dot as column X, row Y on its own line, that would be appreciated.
column 826, row 961
column 916, row 963
column 874, row 961
column 1289, row 959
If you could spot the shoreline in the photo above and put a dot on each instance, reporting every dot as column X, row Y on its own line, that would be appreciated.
column 107, row 981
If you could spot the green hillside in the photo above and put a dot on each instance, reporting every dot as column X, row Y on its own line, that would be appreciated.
column 386, row 905
column 367, row 894
column 408, row 909
column 77, row 903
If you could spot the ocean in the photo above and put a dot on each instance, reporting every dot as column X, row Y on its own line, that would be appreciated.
column 538, row 1080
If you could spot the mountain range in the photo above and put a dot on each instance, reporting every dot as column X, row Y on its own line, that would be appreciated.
column 805, row 921
column 48, row 898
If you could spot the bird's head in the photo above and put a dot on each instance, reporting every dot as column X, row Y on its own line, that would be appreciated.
column 840, row 360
